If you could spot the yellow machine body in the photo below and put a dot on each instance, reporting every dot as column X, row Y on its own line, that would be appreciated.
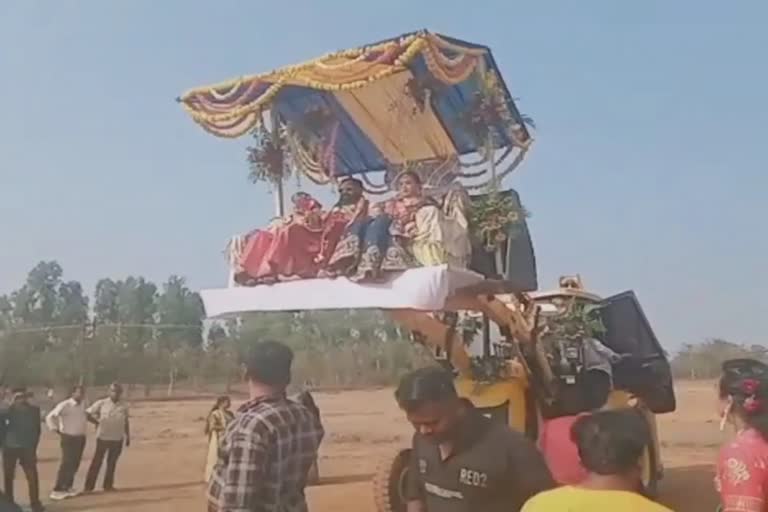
column 508, row 394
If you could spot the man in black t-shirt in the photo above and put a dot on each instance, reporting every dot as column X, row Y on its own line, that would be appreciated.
column 20, row 446
column 462, row 461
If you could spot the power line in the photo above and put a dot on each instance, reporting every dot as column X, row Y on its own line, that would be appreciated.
column 50, row 328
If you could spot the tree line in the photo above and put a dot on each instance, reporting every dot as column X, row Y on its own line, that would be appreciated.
column 154, row 336
column 703, row 360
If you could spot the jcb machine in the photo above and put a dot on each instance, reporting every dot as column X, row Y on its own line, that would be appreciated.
column 530, row 366
column 437, row 106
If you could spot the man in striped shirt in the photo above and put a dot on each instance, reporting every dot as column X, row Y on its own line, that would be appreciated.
column 267, row 451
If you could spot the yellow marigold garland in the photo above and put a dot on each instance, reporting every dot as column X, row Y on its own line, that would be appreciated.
column 213, row 122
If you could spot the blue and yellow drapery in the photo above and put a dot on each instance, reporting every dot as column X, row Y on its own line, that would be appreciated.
column 377, row 123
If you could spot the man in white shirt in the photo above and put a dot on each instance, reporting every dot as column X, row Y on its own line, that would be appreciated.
column 69, row 420
column 111, row 415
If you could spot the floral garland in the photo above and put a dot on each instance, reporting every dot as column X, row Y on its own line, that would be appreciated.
column 311, row 143
column 446, row 70
column 301, row 74
column 305, row 160
column 491, row 218
column 486, row 111
column 435, row 174
column 329, row 154
column 267, row 158
column 506, row 172
column 227, row 109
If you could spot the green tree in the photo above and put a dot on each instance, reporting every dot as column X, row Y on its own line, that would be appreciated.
column 41, row 292
column 704, row 360
column 105, row 305
column 137, row 307
column 180, row 335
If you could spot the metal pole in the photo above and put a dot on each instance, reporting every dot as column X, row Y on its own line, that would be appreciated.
column 278, row 186
column 491, row 153
column 494, row 189
column 279, row 199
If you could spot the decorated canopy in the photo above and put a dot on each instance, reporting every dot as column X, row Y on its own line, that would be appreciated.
column 421, row 100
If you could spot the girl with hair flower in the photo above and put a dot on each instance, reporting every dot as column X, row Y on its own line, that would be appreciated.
column 742, row 469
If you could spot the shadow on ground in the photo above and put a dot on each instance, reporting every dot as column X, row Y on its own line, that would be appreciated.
column 689, row 489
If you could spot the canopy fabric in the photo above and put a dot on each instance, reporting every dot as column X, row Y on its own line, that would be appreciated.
column 396, row 102
column 425, row 289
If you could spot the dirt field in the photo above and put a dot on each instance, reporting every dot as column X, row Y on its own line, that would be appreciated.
column 163, row 468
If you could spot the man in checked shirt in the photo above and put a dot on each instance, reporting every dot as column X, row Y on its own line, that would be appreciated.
column 267, row 451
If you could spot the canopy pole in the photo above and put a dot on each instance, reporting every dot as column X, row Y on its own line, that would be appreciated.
column 279, row 199
column 490, row 151
column 494, row 189
column 278, row 185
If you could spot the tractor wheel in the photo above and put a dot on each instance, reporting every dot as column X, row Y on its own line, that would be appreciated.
column 389, row 482
column 650, row 475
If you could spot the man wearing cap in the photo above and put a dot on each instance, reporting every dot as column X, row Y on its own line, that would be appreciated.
column 462, row 461
column 111, row 416
column 22, row 435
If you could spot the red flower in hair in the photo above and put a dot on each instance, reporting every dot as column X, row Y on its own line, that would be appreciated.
column 750, row 386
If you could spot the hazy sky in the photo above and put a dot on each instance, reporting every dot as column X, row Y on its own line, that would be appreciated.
column 649, row 170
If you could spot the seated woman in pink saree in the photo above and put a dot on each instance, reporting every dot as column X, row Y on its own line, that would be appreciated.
column 742, row 468
column 286, row 250
column 304, row 245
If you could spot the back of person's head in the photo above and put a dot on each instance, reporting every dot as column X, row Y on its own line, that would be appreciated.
column 611, row 442
column 423, row 386
column 269, row 363
column 744, row 382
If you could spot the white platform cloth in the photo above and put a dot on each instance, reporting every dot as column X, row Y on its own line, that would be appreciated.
column 425, row 289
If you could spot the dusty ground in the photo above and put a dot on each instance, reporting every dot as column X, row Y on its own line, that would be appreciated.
column 163, row 468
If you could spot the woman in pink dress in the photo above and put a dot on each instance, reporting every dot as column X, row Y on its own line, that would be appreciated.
column 304, row 244
column 742, row 468
column 287, row 250
column 558, row 445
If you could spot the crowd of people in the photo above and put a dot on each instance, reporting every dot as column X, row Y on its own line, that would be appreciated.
column 463, row 461
column 20, row 432
column 260, row 457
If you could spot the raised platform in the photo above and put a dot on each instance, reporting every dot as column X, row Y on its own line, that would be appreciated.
column 424, row 289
